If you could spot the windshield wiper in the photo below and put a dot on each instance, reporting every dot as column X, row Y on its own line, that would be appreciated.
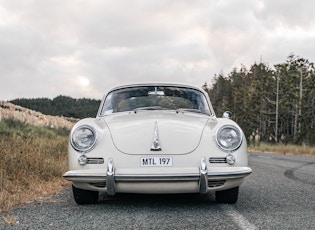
column 182, row 110
column 148, row 108
column 189, row 110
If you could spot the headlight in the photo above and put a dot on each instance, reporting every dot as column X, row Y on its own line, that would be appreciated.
column 229, row 138
column 83, row 138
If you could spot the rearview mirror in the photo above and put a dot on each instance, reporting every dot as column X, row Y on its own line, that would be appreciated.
column 156, row 92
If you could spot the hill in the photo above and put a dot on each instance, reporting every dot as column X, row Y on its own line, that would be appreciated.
column 33, row 156
column 61, row 106
column 15, row 112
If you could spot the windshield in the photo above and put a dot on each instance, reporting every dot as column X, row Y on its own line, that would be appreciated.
column 155, row 98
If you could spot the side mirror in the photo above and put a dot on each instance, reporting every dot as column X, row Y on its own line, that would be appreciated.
column 227, row 114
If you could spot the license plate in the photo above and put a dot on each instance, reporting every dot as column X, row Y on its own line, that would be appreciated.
column 156, row 161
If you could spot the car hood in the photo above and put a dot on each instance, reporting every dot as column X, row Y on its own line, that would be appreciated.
column 176, row 133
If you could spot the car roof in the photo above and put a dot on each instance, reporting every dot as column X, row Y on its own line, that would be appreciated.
column 155, row 84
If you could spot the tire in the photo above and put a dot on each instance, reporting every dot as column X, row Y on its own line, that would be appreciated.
column 228, row 196
column 82, row 196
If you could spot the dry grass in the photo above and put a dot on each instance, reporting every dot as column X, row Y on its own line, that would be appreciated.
column 9, row 220
column 31, row 166
column 289, row 149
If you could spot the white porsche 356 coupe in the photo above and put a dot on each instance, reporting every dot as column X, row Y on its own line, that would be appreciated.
column 156, row 138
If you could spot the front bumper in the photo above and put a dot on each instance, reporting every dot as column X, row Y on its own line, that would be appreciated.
column 183, row 180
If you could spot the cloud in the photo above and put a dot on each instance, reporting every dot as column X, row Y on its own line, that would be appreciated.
column 46, row 47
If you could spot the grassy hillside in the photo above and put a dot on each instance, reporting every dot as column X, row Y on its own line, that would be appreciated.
column 33, row 159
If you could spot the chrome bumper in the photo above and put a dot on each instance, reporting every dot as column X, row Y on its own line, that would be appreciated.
column 204, row 176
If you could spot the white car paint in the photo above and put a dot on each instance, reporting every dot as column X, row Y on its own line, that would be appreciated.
column 186, row 138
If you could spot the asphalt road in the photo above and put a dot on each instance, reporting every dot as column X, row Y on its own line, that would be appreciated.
column 279, row 194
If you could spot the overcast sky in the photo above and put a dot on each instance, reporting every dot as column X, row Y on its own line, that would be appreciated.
column 82, row 48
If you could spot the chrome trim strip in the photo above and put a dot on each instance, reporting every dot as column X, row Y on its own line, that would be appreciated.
column 95, row 160
column 153, row 177
column 85, row 178
column 217, row 160
column 228, row 175
column 183, row 177
column 110, row 176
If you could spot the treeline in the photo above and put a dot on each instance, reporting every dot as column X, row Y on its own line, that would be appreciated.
column 61, row 106
column 276, row 103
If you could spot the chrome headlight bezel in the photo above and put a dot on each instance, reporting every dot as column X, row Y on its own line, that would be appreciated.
column 229, row 138
column 76, row 138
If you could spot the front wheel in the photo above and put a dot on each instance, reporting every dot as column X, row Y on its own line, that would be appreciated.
column 228, row 196
column 82, row 196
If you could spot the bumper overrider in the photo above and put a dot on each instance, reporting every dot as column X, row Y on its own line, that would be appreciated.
column 215, row 179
